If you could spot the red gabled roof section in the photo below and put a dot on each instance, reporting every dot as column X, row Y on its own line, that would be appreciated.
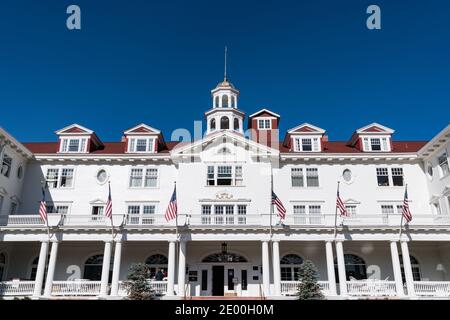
column 374, row 129
column 141, row 130
column 305, row 129
column 74, row 130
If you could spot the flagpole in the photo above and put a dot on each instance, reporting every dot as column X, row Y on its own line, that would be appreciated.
column 335, row 214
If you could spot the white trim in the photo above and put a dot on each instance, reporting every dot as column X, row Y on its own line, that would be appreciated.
column 318, row 130
column 154, row 131
column 385, row 129
column 74, row 125
column 264, row 110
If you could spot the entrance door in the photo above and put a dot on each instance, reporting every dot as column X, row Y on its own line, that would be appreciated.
column 218, row 280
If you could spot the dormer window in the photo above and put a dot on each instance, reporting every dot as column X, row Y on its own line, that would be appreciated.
column 306, row 145
column 376, row 144
column 73, row 145
column 141, row 145
column 264, row 124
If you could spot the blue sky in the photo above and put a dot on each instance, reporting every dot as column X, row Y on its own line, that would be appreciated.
column 156, row 62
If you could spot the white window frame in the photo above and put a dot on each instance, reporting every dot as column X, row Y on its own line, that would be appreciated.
column 141, row 217
column 385, row 145
column 56, row 205
column 304, row 174
column 144, row 170
column 443, row 163
column 236, row 180
column 83, row 143
column 316, row 144
column 264, row 120
column 7, row 174
column 219, row 213
column 390, row 175
column 150, row 144
column 59, row 177
column 303, row 212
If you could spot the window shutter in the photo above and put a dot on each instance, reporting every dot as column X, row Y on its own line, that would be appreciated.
column 366, row 144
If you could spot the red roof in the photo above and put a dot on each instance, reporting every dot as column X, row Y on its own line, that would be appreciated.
column 328, row 147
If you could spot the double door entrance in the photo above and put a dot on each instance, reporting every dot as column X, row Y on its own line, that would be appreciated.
column 225, row 280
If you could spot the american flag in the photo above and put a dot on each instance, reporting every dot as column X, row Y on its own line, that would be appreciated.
column 277, row 202
column 172, row 208
column 108, row 210
column 341, row 206
column 405, row 208
column 43, row 207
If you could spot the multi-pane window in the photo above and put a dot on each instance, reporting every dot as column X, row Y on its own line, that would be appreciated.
column 224, row 175
column 304, row 214
column 60, row 178
column 306, row 144
column 142, row 145
column 151, row 177
column 312, row 177
column 264, row 124
column 397, row 176
column 223, row 214
column 137, row 177
column 351, row 209
column 376, row 144
column 298, row 177
column 66, row 178
column 443, row 164
column 73, row 145
column 61, row 209
column 97, row 212
column 382, row 177
column 141, row 213
column 6, row 165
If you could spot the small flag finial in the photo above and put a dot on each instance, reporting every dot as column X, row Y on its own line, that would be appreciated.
column 225, row 66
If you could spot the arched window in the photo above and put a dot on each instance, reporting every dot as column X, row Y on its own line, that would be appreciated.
column 224, row 257
column 212, row 124
column 414, row 266
column 355, row 267
column 93, row 268
column 34, row 266
column 233, row 102
column 2, row 265
column 216, row 103
column 236, row 124
column 224, row 101
column 290, row 265
column 157, row 262
column 224, row 123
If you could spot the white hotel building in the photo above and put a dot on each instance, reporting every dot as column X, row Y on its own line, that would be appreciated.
column 226, row 241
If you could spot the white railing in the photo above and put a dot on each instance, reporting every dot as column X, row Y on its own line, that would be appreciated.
column 160, row 287
column 432, row 288
column 145, row 219
column 91, row 220
column 21, row 220
column 225, row 219
column 371, row 288
column 76, row 288
column 16, row 288
column 291, row 287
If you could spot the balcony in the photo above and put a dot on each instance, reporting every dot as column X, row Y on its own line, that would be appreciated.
column 371, row 288
column 76, row 288
column 16, row 288
column 236, row 220
column 432, row 289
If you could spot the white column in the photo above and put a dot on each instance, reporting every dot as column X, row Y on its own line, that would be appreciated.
column 276, row 267
column 40, row 269
column 330, row 267
column 116, row 269
column 182, row 269
column 341, row 268
column 266, row 268
column 397, row 270
column 407, row 268
column 105, row 269
column 51, row 269
column 171, row 269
